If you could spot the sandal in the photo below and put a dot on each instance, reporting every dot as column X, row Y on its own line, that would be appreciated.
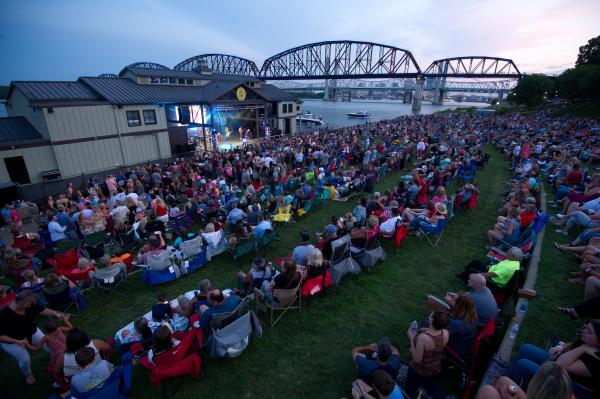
column 569, row 311
column 557, row 246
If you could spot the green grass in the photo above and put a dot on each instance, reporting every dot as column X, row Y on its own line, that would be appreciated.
column 307, row 354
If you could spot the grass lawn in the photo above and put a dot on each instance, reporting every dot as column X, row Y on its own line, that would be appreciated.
column 307, row 354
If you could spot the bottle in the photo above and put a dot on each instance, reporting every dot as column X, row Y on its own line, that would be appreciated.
column 413, row 326
column 523, row 306
column 512, row 390
column 514, row 331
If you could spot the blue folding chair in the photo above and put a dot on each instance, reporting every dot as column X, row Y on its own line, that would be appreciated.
column 436, row 233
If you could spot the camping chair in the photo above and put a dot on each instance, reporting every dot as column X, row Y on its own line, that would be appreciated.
column 283, row 300
column 230, row 332
column 496, row 254
column 371, row 254
column 67, row 265
column 437, row 233
column 63, row 246
column 126, row 240
column 117, row 386
column 303, row 211
column 283, row 214
column 243, row 247
column 215, row 244
column 450, row 207
column 194, row 256
column 180, row 361
column 160, row 269
column 64, row 300
column 310, row 288
column 468, row 366
column 109, row 278
column 341, row 261
column 501, row 294
column 268, row 237
column 99, row 237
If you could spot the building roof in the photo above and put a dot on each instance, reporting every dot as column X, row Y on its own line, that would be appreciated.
column 16, row 129
column 272, row 93
column 124, row 91
column 45, row 92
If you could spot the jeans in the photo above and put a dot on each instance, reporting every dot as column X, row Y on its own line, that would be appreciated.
column 420, row 222
column 526, row 364
column 561, row 192
column 414, row 381
column 586, row 236
column 578, row 218
column 21, row 354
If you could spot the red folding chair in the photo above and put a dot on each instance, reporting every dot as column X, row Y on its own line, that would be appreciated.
column 67, row 265
column 180, row 361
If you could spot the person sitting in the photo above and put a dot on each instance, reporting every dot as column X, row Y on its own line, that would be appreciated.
column 163, row 341
column 259, row 272
column 142, row 331
column 55, row 285
column 508, row 229
column 77, row 339
column 550, row 381
column 253, row 214
column 217, row 303
column 383, row 385
column 93, row 373
column 234, row 215
column 262, row 227
column 389, row 226
column 579, row 358
column 303, row 250
column 360, row 212
column 325, row 244
column 161, row 309
column 152, row 247
column 462, row 326
column 314, row 266
column 201, row 296
column 376, row 356
column 430, row 224
column 289, row 278
column 499, row 274
column 485, row 303
column 426, row 349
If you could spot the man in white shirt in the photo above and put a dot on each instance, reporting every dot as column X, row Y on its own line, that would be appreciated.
column 57, row 232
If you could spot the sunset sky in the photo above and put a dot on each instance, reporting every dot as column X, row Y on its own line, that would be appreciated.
column 62, row 40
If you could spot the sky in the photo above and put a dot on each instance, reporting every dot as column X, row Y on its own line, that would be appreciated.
column 62, row 40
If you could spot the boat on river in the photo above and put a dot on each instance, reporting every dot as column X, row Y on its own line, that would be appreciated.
column 359, row 114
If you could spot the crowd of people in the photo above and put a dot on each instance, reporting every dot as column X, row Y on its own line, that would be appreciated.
column 238, row 192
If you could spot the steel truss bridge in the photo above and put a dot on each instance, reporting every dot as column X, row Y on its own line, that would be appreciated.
column 341, row 63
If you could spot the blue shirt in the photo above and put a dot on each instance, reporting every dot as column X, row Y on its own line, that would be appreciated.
column 235, row 215
column 259, row 231
column 228, row 305
column 301, row 253
column 366, row 366
column 64, row 220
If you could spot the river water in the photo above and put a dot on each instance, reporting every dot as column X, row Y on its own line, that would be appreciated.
column 334, row 112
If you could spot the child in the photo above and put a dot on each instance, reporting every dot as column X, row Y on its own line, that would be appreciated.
column 31, row 280
column 161, row 310
column 56, row 341
column 142, row 331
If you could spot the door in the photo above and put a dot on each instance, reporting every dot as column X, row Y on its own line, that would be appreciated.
column 17, row 170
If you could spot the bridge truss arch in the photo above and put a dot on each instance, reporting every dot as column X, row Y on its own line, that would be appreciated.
column 473, row 67
column 220, row 64
column 147, row 65
column 340, row 59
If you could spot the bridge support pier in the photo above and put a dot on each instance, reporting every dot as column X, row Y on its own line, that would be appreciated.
column 330, row 90
column 500, row 96
column 407, row 97
column 416, row 100
column 438, row 97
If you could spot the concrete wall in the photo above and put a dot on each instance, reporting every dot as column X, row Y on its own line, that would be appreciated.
column 37, row 159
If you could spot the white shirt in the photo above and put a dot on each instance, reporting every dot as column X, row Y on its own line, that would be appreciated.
column 592, row 205
column 389, row 225
column 421, row 146
column 57, row 232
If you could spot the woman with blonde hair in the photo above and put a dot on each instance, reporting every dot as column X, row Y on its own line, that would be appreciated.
column 440, row 195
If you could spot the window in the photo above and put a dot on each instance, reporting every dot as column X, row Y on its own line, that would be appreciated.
column 154, row 80
column 181, row 81
column 190, row 81
column 149, row 117
column 133, row 118
column 297, row 108
column 172, row 81
column 164, row 80
column 284, row 110
column 17, row 170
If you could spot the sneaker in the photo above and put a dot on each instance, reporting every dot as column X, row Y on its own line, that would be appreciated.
column 559, row 216
column 564, row 233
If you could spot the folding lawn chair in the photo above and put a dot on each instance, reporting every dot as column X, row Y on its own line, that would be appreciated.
column 283, row 300
column 437, row 233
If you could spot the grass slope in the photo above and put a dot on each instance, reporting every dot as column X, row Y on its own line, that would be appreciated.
column 307, row 354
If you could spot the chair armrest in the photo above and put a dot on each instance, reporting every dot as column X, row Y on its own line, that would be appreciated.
column 498, row 251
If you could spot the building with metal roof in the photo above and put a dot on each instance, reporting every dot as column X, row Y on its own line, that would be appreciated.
column 58, row 130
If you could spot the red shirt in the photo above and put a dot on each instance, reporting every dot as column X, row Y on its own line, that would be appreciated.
column 527, row 218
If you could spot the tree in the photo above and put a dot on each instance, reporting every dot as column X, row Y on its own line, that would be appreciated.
column 532, row 90
column 590, row 53
column 579, row 83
